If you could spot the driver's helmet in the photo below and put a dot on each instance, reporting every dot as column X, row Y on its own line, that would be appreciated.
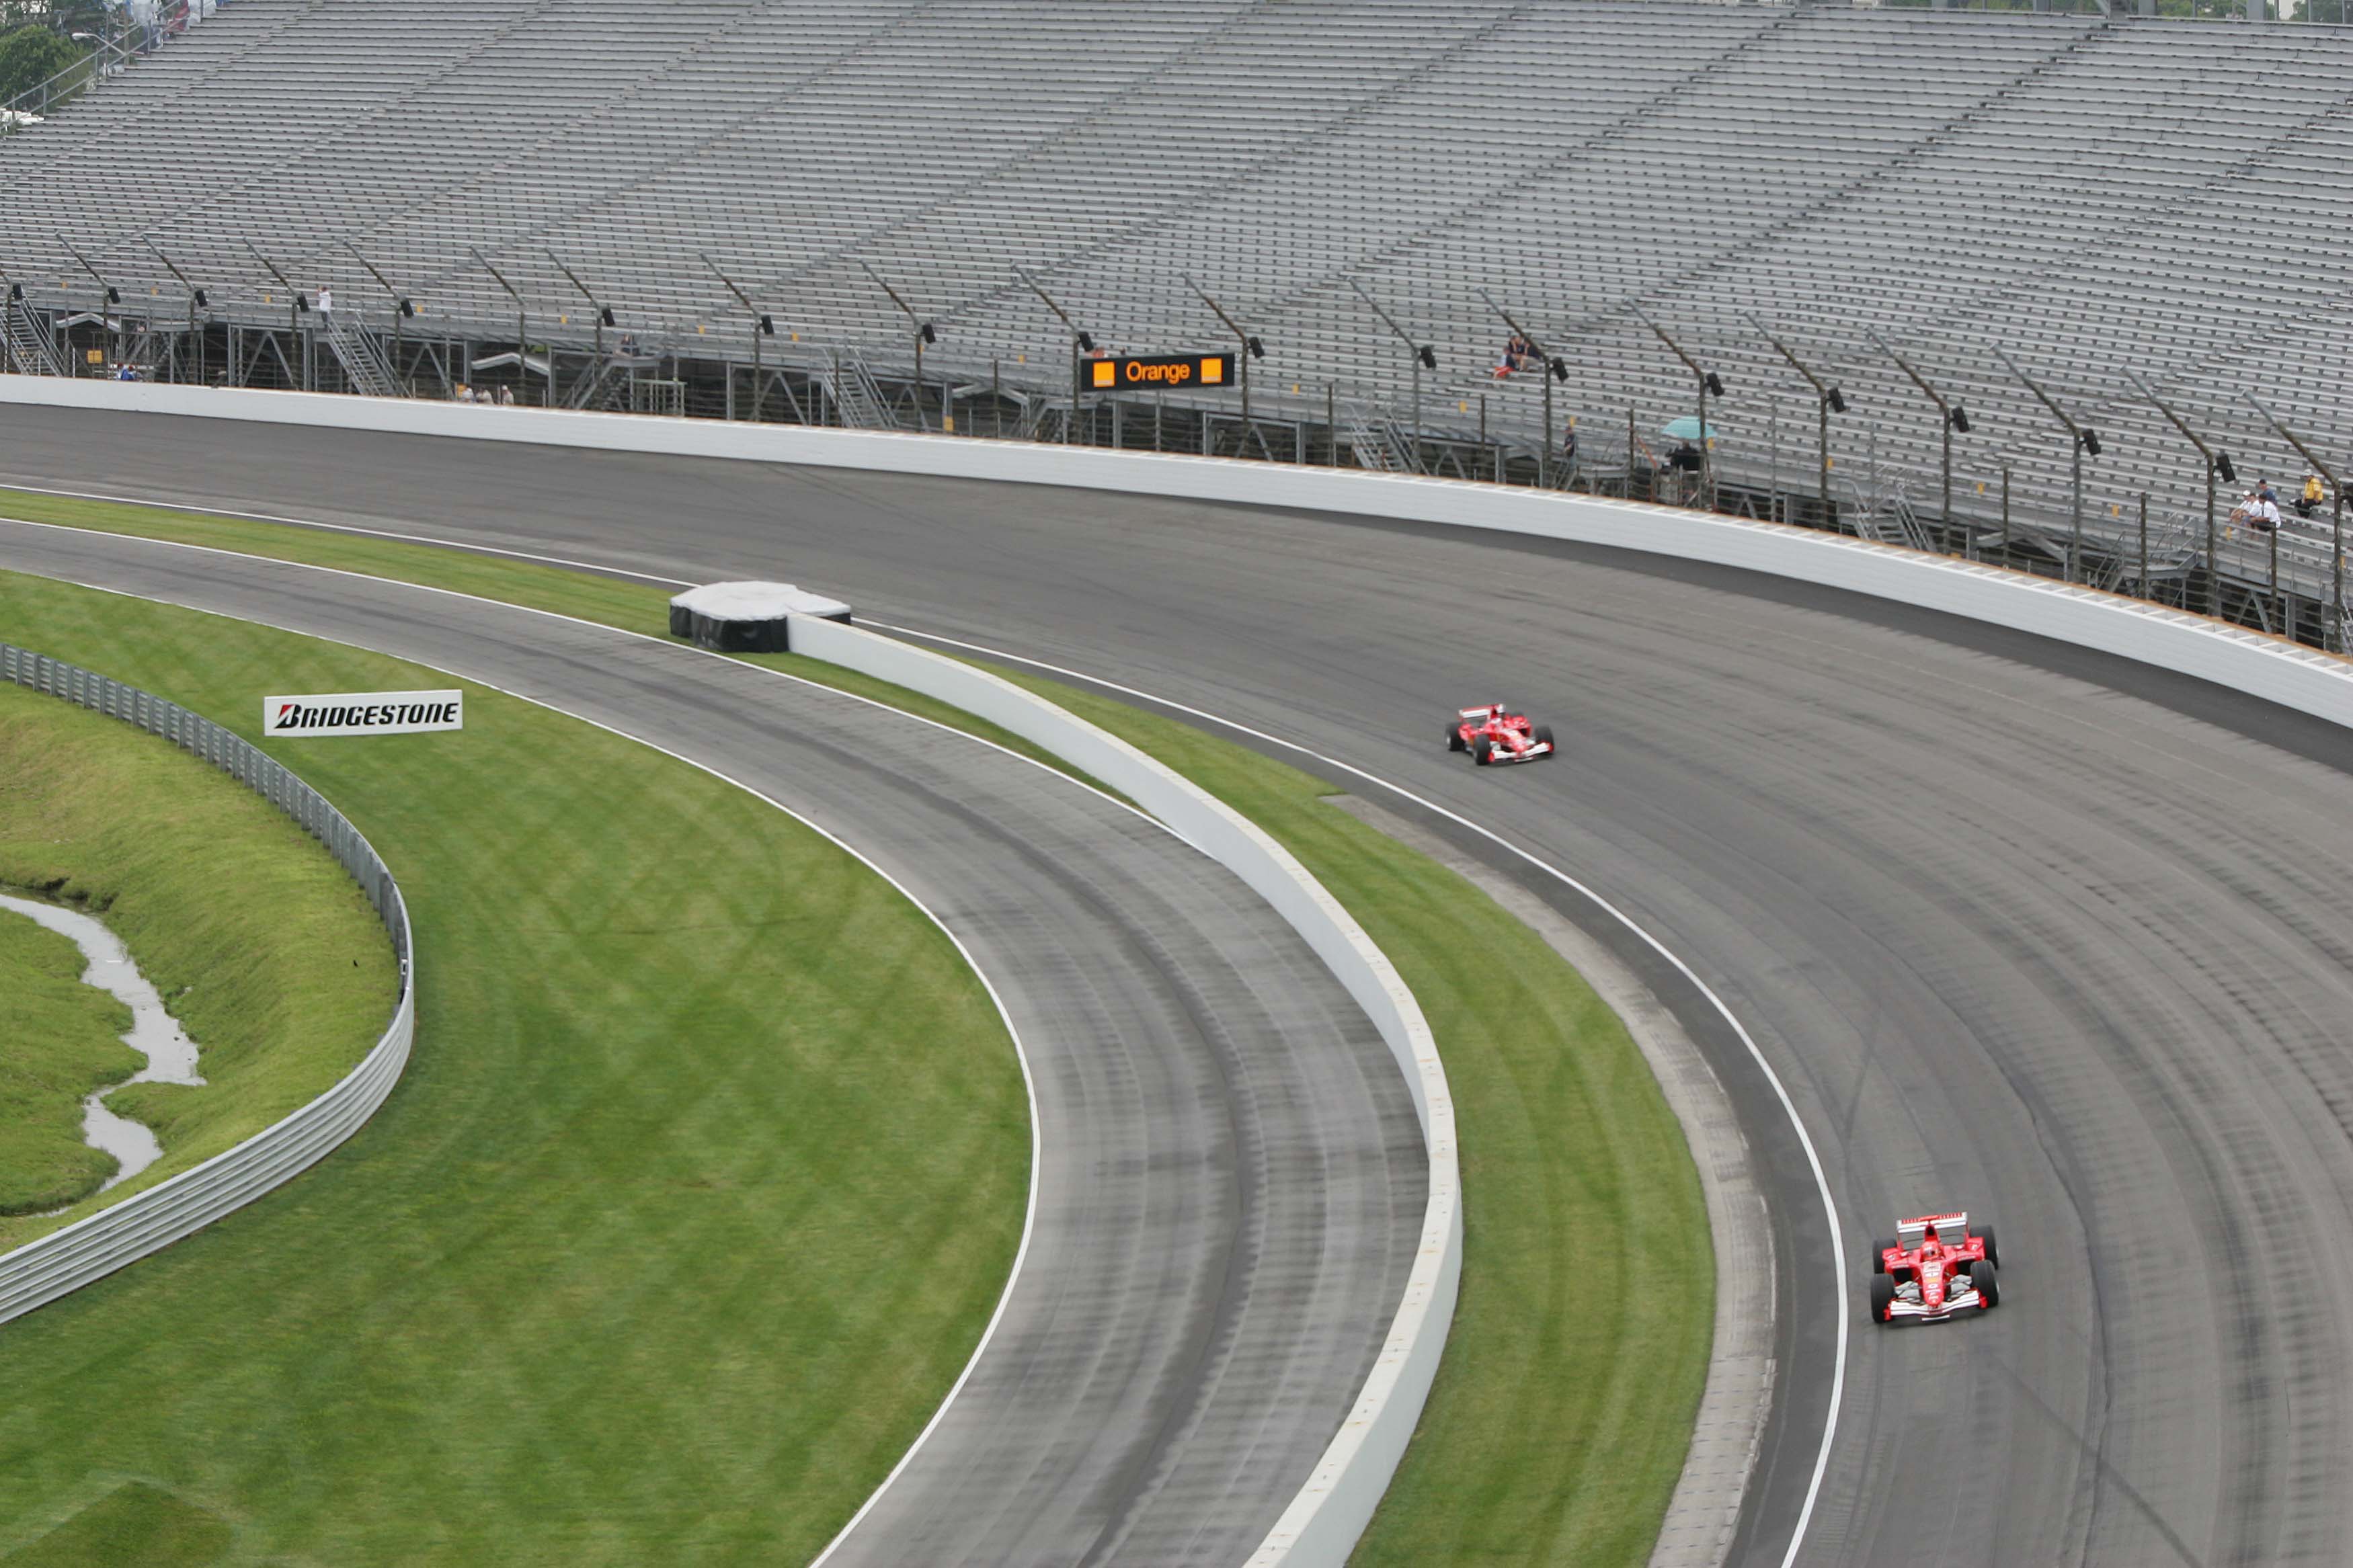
column 1494, row 711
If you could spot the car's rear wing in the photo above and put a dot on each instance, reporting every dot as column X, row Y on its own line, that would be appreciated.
column 1478, row 712
column 1952, row 1229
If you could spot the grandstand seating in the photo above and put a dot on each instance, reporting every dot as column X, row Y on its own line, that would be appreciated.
column 2170, row 198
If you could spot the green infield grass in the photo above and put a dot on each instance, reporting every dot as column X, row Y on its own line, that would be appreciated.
column 257, row 940
column 1559, row 1420
column 63, row 1040
column 664, row 1248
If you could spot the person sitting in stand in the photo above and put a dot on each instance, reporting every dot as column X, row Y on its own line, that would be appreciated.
column 2309, row 501
column 1517, row 352
column 2264, row 512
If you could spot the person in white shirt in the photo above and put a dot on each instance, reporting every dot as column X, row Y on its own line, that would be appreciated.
column 2263, row 514
column 326, row 301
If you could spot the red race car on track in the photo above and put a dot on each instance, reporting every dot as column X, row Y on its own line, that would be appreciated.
column 1936, row 1267
column 1493, row 734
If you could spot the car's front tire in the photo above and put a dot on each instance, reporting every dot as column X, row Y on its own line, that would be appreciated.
column 1454, row 742
column 1543, row 736
column 1987, row 1280
column 1482, row 750
column 1883, row 1298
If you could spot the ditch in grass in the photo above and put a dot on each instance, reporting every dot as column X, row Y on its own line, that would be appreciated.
column 254, row 938
column 1562, row 1411
column 663, row 1249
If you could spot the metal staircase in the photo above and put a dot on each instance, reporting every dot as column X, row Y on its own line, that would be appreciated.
column 1377, row 443
column 24, row 348
column 364, row 365
column 859, row 396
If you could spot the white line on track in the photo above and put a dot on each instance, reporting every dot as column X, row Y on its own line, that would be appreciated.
column 1813, row 1160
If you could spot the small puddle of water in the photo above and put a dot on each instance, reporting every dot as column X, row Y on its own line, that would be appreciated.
column 155, row 1034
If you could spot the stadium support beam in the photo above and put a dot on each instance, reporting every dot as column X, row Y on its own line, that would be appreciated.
column 1081, row 342
column 2086, row 440
column 2217, row 461
column 523, row 329
column 1425, row 357
column 1555, row 369
column 1251, row 348
column 196, row 300
column 1828, row 400
column 403, row 308
column 602, row 314
column 296, row 308
column 923, row 332
column 2335, row 638
column 1707, row 384
column 107, row 295
column 764, row 325
column 1952, row 416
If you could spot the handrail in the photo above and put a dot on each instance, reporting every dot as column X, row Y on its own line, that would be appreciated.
column 64, row 1260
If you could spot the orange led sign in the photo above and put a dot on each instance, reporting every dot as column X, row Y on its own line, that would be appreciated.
column 1162, row 371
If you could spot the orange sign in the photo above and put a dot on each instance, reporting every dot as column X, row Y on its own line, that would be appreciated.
column 1162, row 371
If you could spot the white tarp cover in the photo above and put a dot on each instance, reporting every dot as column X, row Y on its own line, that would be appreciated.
column 756, row 602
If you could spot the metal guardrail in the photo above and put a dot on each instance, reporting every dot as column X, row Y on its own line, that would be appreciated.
column 55, row 1265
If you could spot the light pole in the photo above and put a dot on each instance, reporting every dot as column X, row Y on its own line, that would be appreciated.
column 2335, row 528
column 1828, row 400
column 296, row 308
column 2086, row 440
column 108, row 295
column 602, row 314
column 1555, row 369
column 764, row 326
column 1080, row 342
column 1424, row 356
column 924, row 335
column 1252, row 349
column 1951, row 417
column 1708, row 384
column 2218, row 462
column 196, row 301
column 523, row 322
column 403, row 308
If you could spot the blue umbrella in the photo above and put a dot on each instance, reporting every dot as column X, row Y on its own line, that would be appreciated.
column 1685, row 429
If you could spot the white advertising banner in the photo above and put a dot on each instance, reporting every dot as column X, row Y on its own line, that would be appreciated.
column 363, row 713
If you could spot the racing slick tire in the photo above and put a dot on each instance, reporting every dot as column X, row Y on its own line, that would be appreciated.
column 1987, row 1279
column 1482, row 750
column 1882, row 1297
column 1993, row 1254
column 1879, row 1255
column 1454, row 742
column 1544, row 734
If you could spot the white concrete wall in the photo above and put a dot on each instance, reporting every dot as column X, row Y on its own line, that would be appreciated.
column 2262, row 665
column 1323, row 1523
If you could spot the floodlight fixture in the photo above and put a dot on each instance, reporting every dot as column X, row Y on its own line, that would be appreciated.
column 2222, row 467
column 1837, row 400
column 1958, row 418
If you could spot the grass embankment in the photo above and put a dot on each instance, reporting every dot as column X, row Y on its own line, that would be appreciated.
column 662, row 1251
column 257, row 940
column 1561, row 1414
column 63, row 1040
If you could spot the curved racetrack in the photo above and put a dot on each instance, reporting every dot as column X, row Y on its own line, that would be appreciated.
column 2026, row 930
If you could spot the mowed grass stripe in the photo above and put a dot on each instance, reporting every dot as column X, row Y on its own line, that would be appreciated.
column 706, row 1173
column 1563, row 1408
column 62, row 1039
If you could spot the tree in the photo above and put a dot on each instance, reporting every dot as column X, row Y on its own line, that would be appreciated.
column 29, row 55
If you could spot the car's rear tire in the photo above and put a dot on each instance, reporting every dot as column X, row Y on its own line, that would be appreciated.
column 1879, row 1255
column 1454, row 742
column 1482, row 750
column 1883, row 1298
column 1543, row 735
column 1987, row 1279
column 1993, row 1254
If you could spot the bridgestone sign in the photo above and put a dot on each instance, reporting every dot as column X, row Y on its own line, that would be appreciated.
column 363, row 713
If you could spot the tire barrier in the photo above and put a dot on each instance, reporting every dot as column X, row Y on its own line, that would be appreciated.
column 42, row 1270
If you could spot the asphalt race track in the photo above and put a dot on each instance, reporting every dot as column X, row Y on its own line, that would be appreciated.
column 1231, row 1183
column 2026, row 930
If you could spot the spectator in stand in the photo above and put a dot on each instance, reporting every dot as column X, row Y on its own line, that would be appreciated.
column 326, row 301
column 1517, row 352
column 2263, row 516
column 2309, row 501
column 506, row 396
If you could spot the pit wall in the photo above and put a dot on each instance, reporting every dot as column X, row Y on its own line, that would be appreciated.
column 65, row 1260
column 2270, row 668
column 1322, row 1524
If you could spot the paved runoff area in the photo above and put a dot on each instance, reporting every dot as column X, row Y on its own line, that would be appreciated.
column 1231, row 1184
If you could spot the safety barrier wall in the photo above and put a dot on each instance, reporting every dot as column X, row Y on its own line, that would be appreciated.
column 1323, row 1523
column 2265, row 666
column 40, row 1271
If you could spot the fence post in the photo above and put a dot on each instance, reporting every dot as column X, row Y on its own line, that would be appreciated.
column 2005, row 512
column 2143, row 546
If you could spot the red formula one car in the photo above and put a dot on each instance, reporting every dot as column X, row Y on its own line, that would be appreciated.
column 1936, row 1267
column 1491, row 735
